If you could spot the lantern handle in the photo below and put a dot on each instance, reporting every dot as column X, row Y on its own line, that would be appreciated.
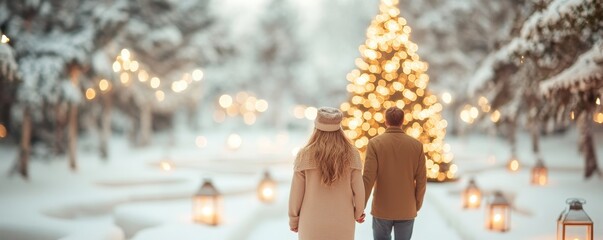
column 582, row 201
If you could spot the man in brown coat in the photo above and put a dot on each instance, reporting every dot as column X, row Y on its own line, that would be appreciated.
column 395, row 166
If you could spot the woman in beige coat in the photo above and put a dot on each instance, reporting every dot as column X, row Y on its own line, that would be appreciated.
column 327, row 191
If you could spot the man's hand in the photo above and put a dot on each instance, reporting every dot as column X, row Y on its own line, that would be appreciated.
column 361, row 219
column 294, row 230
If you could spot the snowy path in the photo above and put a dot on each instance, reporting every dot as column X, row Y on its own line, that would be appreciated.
column 130, row 197
column 428, row 225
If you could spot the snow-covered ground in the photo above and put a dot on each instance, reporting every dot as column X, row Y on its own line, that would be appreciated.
column 131, row 197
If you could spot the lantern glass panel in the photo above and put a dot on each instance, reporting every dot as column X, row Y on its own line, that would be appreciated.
column 577, row 232
column 539, row 176
column 207, row 209
column 574, row 223
column 266, row 191
column 472, row 198
column 498, row 218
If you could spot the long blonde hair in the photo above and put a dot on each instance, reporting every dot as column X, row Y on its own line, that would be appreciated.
column 332, row 152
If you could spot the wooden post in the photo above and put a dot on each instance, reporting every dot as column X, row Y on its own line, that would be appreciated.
column 59, row 131
column 146, row 123
column 587, row 146
column 73, row 123
column 105, row 126
column 25, row 144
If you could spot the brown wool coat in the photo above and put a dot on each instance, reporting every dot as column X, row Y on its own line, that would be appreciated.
column 395, row 166
column 323, row 212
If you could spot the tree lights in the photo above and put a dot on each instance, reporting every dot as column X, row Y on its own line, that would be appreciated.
column 207, row 204
column 389, row 73
column 574, row 223
column 242, row 103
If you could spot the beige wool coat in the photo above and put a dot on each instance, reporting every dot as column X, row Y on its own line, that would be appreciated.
column 395, row 167
column 323, row 212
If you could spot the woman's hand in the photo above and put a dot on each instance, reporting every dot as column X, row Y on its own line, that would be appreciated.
column 361, row 219
column 294, row 230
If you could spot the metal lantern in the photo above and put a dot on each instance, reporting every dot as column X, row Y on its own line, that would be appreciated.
column 498, row 214
column 539, row 174
column 472, row 196
column 513, row 164
column 207, row 204
column 267, row 188
column 574, row 223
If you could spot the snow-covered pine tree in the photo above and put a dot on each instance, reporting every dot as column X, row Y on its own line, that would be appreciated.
column 166, row 39
column 278, row 56
column 390, row 73
column 8, row 81
column 455, row 36
column 549, row 41
column 53, row 42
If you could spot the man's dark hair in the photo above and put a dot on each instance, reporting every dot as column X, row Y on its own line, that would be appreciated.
column 394, row 116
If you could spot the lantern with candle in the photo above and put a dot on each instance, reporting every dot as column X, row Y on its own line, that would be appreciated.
column 498, row 213
column 207, row 204
column 574, row 223
column 267, row 188
column 539, row 174
column 472, row 196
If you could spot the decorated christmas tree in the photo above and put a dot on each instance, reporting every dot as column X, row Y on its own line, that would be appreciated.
column 389, row 73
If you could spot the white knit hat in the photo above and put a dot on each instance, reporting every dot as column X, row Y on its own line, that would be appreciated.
column 328, row 119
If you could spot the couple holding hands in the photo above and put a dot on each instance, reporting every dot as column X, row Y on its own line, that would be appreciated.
column 330, row 186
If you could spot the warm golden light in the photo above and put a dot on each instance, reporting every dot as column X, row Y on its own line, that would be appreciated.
column 160, row 95
column 125, row 54
column 166, row 165
column 261, row 105
column 266, row 188
column 472, row 196
column 495, row 116
column 498, row 213
column 124, row 77
column 539, row 174
column 598, row 101
column 116, row 66
column 103, row 85
column 513, row 165
column 197, row 75
column 390, row 73
column 447, row 97
column 598, row 117
column 201, row 141
column 143, row 76
column 5, row 39
column 572, row 115
column 225, row 101
column 249, row 118
column 179, row 86
column 234, row 141
column 134, row 66
column 207, row 205
column 155, row 82
column 90, row 93
column 3, row 131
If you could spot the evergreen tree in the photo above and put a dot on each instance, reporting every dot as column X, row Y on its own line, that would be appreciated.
column 391, row 74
